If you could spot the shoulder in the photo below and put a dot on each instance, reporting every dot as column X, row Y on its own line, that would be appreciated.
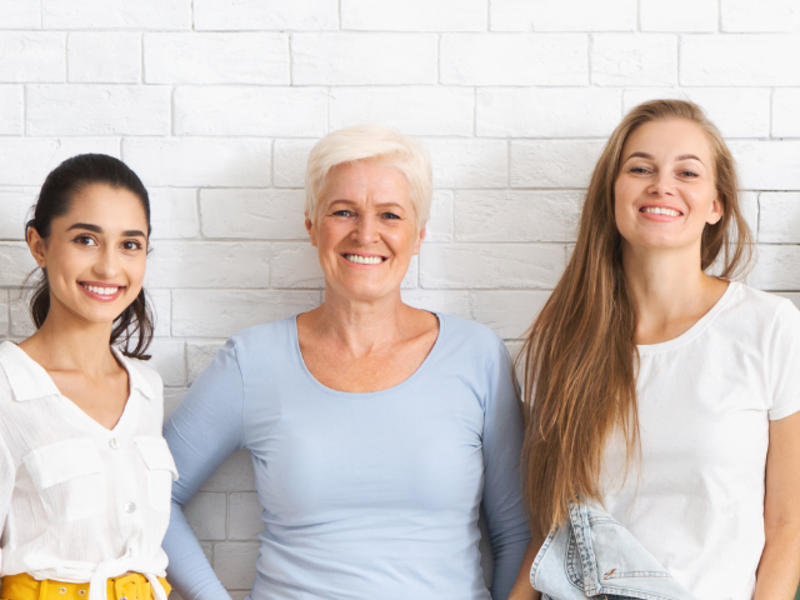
column 6, row 397
column 263, row 336
column 254, row 350
column 762, row 308
column 464, row 337
column 6, row 351
column 759, row 300
column 145, row 377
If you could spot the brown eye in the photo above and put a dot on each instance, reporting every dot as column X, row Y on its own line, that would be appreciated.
column 85, row 240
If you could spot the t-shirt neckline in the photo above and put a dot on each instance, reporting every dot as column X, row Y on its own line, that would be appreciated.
column 408, row 381
column 695, row 330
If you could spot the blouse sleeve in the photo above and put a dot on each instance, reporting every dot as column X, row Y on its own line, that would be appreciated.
column 7, row 476
column 203, row 431
column 784, row 362
column 509, row 532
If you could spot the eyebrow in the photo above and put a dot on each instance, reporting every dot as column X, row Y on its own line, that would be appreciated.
column 650, row 157
column 377, row 204
column 98, row 229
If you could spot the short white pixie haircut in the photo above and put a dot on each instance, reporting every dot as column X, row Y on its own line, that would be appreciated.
column 384, row 145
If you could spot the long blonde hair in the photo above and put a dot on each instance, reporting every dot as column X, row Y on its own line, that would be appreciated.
column 579, row 356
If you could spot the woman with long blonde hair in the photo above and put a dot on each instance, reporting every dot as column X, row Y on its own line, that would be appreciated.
column 659, row 387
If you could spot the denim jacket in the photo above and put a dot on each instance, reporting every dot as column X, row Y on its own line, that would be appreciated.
column 593, row 556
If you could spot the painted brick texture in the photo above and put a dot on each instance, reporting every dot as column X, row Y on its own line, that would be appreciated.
column 216, row 103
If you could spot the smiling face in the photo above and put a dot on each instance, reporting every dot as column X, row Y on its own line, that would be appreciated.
column 365, row 231
column 95, row 254
column 665, row 191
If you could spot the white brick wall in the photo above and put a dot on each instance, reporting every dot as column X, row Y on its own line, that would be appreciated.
column 216, row 103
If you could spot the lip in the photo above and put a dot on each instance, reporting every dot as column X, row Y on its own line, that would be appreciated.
column 101, row 297
column 660, row 218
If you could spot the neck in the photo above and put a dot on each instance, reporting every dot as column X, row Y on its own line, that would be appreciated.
column 668, row 287
column 361, row 327
column 66, row 343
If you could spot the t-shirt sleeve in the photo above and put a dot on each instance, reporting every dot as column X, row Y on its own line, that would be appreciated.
column 509, row 532
column 202, row 432
column 784, row 362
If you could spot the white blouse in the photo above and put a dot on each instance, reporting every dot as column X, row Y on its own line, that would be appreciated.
column 79, row 502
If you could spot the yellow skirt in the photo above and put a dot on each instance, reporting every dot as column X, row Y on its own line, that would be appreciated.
column 127, row 587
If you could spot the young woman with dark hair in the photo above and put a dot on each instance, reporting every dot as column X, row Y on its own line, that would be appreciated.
column 657, row 386
column 85, row 475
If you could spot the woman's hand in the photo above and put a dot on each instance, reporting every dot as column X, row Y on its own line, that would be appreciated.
column 522, row 589
column 779, row 569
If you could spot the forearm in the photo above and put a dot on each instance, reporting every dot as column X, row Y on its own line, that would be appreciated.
column 507, row 560
column 189, row 571
column 522, row 589
column 779, row 569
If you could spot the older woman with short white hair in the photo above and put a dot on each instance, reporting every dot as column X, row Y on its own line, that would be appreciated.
column 377, row 430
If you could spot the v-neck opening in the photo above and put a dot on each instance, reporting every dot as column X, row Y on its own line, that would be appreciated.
column 74, row 406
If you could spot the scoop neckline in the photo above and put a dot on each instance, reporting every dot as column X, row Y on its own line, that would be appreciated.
column 332, row 392
column 695, row 330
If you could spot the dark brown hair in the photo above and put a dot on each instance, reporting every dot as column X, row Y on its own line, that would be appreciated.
column 67, row 179
column 580, row 357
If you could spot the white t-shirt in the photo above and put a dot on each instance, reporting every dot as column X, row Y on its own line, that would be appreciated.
column 696, row 499
column 79, row 502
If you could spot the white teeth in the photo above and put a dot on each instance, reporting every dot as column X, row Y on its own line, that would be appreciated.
column 103, row 291
column 656, row 210
column 363, row 260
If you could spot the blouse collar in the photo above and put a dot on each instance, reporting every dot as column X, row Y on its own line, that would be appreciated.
column 29, row 380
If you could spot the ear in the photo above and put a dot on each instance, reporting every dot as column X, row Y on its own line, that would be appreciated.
column 36, row 245
column 310, row 229
column 420, row 239
column 717, row 210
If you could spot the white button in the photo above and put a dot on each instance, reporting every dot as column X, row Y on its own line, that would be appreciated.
column 129, row 507
column 62, row 590
column 114, row 443
column 81, row 592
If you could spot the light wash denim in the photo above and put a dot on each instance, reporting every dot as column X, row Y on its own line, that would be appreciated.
column 593, row 556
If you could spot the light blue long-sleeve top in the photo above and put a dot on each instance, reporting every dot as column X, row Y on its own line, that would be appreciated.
column 365, row 496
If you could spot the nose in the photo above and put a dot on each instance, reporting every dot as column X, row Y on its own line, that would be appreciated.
column 662, row 185
column 106, row 265
column 366, row 230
